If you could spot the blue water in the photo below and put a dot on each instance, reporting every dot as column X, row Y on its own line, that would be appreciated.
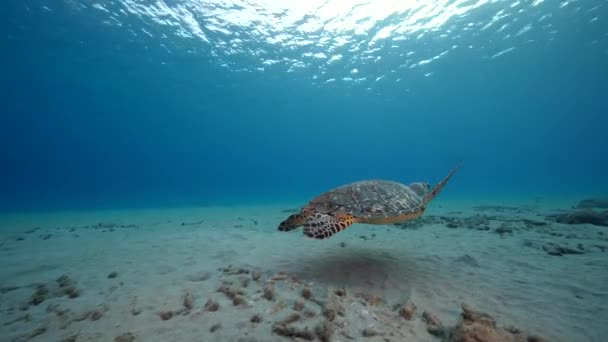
column 128, row 103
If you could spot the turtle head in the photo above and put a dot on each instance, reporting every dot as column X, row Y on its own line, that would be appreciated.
column 293, row 222
column 420, row 188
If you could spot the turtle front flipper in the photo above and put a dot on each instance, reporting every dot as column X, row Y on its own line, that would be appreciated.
column 322, row 226
column 293, row 222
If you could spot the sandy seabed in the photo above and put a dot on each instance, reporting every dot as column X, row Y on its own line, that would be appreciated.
column 227, row 274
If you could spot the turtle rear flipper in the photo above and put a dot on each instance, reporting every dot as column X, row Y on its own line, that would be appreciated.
column 322, row 226
column 428, row 197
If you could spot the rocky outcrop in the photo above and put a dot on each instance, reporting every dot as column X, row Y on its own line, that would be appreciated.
column 598, row 218
column 478, row 326
column 590, row 203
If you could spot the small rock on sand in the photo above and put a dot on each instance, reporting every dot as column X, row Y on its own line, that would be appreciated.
column 306, row 293
column 40, row 295
column 239, row 300
column 81, row 317
column 70, row 338
column 433, row 324
column 553, row 249
column 126, row 337
column 369, row 332
column 289, row 319
column 293, row 332
column 502, row 230
column 298, row 305
column 268, row 292
column 340, row 292
column 407, row 311
column 96, row 314
column 188, row 300
column 8, row 289
column 468, row 260
column 165, row 315
column 37, row 331
column 197, row 277
column 211, row 306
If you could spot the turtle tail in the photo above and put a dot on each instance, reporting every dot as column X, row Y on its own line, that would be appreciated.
column 428, row 197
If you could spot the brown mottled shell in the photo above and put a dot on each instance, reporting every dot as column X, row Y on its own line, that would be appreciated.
column 372, row 199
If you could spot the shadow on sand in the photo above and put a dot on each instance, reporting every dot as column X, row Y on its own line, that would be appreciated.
column 365, row 270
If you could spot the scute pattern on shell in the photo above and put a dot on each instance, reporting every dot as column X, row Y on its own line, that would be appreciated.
column 368, row 199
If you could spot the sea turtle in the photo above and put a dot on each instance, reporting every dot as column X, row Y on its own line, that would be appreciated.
column 368, row 201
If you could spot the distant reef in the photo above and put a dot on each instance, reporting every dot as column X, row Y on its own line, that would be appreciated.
column 593, row 203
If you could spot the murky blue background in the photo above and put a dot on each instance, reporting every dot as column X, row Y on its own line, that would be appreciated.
column 139, row 103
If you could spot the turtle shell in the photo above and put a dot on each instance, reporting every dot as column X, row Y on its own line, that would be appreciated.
column 371, row 199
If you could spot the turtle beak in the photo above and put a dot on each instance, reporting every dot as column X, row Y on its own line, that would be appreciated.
column 283, row 226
